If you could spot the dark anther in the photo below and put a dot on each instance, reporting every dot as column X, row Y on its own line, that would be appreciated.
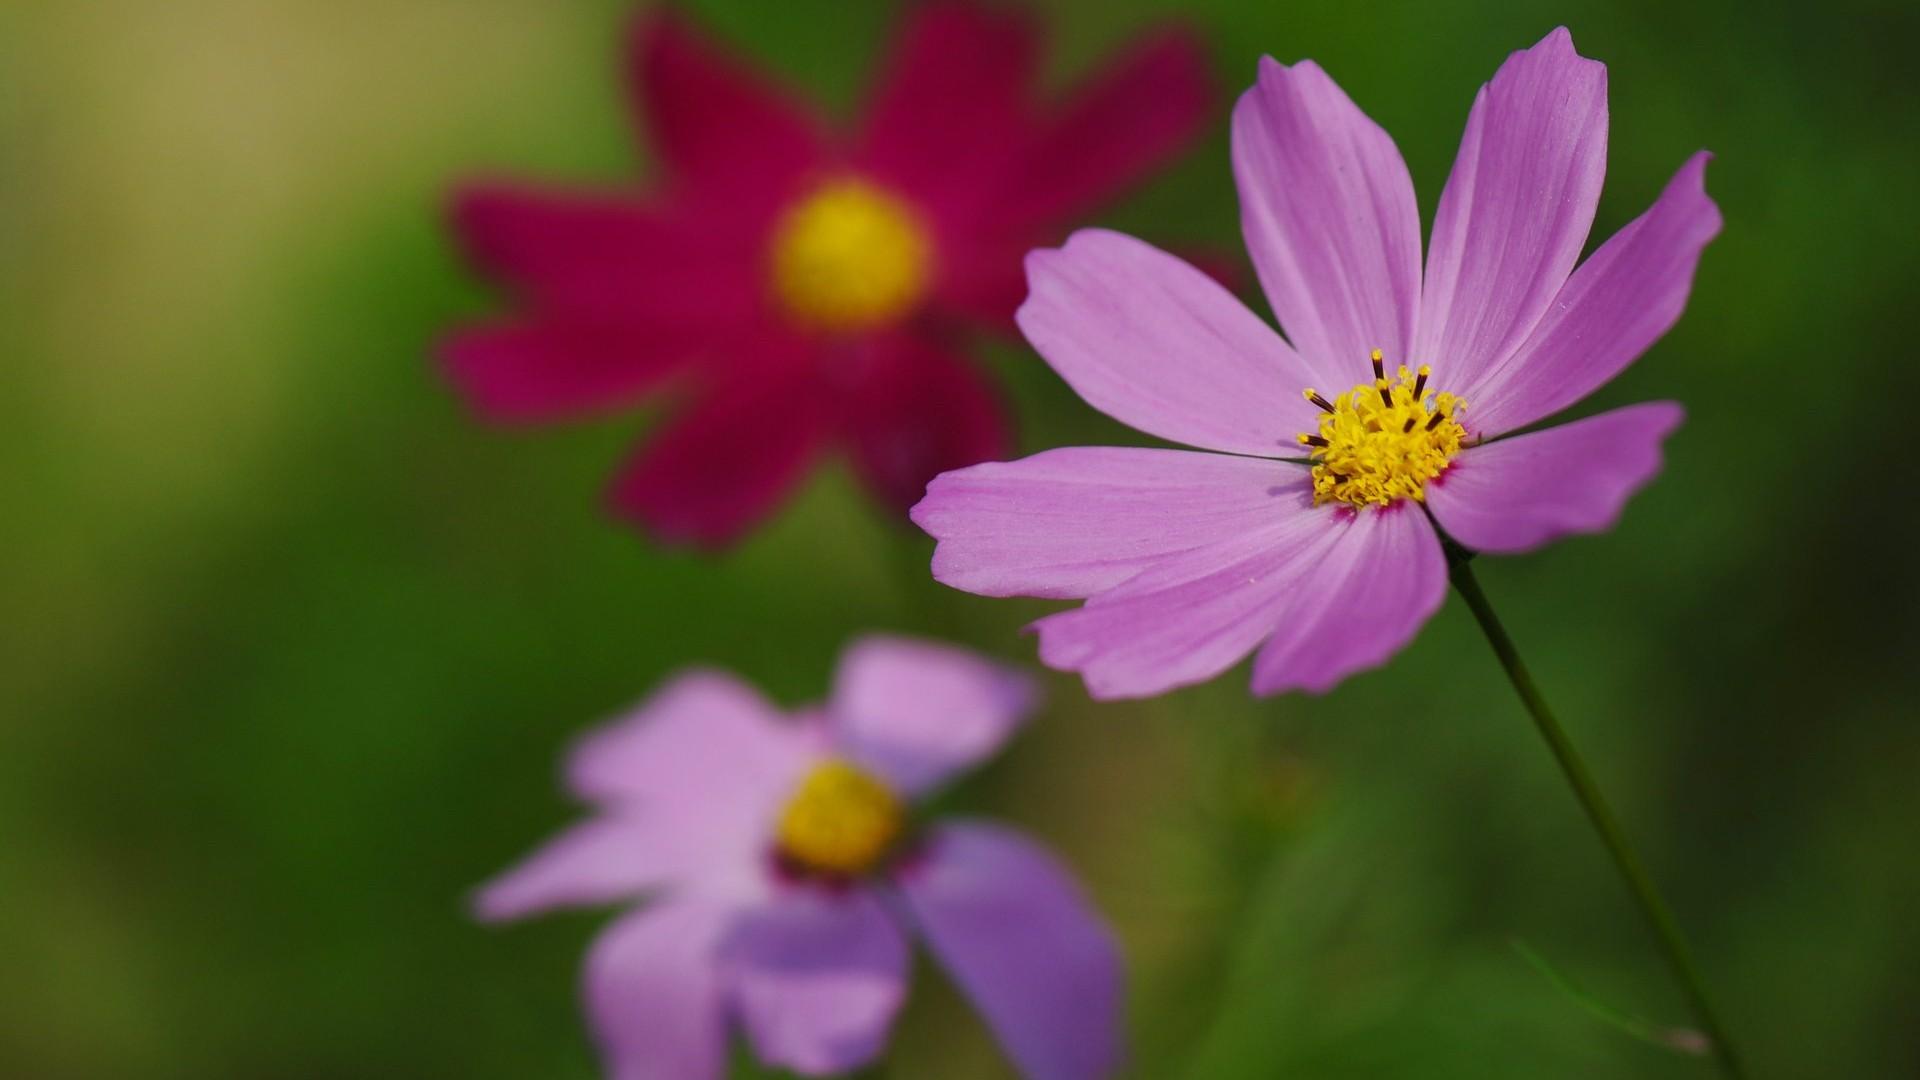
column 1411, row 420
column 1379, row 372
column 1386, row 397
column 1435, row 422
column 1419, row 386
column 1325, row 405
column 1313, row 440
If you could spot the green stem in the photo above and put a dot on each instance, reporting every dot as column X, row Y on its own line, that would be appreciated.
column 1665, row 930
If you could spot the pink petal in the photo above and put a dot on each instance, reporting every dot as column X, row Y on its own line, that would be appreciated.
column 724, row 464
column 598, row 862
column 951, row 104
column 1124, row 122
column 517, row 373
column 727, row 135
column 1014, row 930
column 653, row 993
column 1192, row 615
column 917, row 712
column 1162, row 347
column 1616, row 305
column 918, row 411
column 1081, row 520
column 1519, row 493
column 817, row 977
column 1359, row 605
column 1327, row 208
column 1515, row 211
column 703, row 733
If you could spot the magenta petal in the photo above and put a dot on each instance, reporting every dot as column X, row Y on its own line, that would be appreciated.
column 950, row 106
column 920, row 411
column 654, row 995
column 598, row 862
column 1519, row 493
column 723, row 465
column 1192, row 615
column 1329, row 216
column 817, row 977
column 539, row 371
column 916, row 712
column 1012, row 927
column 1127, row 119
column 1077, row 521
column 1515, row 211
column 1373, row 590
column 727, row 135
column 1160, row 346
column 1617, row 304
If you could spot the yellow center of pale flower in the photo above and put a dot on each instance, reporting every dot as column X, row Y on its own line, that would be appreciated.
column 1382, row 442
column 840, row 821
column 850, row 257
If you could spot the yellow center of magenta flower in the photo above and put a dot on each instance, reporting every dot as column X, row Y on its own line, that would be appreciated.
column 840, row 821
column 1382, row 442
column 850, row 257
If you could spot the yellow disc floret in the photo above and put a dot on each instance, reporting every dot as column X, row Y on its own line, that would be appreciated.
column 850, row 256
column 840, row 821
column 1381, row 442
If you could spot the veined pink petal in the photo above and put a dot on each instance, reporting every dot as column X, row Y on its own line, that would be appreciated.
column 1361, row 603
column 654, row 995
column 1329, row 216
column 1077, row 521
column 548, row 369
column 817, row 977
column 721, row 466
column 1013, row 929
column 949, row 111
column 1517, row 494
column 726, row 134
column 917, row 411
column 1515, row 212
column 596, row 862
column 1617, row 304
column 917, row 712
column 1190, row 616
column 1127, row 119
column 1160, row 346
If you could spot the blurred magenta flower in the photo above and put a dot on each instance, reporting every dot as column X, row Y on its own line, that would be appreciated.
column 811, row 290
column 1328, row 564
column 785, row 875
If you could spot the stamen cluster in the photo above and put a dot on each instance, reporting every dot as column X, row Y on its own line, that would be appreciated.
column 839, row 822
column 850, row 256
column 1381, row 442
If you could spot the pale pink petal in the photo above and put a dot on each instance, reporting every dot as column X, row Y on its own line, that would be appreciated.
column 597, row 862
column 1014, row 930
column 1519, row 493
column 1361, row 603
column 1077, row 521
column 1329, row 216
column 1515, row 211
column 1616, row 305
column 817, row 976
column 704, row 730
column 1192, row 615
column 1159, row 345
column 916, row 712
column 654, row 993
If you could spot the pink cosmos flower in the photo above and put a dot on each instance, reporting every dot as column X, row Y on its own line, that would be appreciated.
column 785, row 876
column 807, row 291
column 1405, row 395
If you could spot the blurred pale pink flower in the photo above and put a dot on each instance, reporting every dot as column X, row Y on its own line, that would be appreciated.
column 785, row 876
column 1329, row 564
column 807, row 291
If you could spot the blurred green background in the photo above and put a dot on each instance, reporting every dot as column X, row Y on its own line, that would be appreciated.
column 290, row 644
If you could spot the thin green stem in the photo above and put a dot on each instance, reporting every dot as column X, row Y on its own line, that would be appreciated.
column 1665, row 929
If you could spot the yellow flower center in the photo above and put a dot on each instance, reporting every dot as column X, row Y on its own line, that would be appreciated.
column 840, row 821
column 1383, row 441
column 849, row 257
